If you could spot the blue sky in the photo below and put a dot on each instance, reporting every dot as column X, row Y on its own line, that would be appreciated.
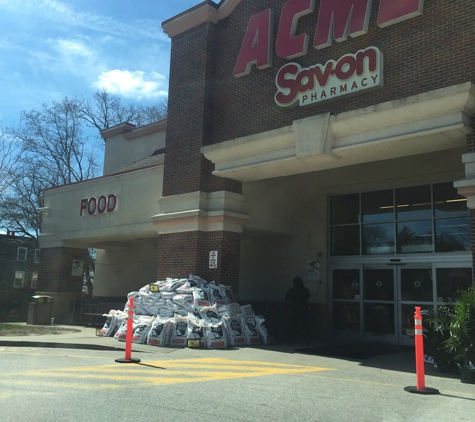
column 50, row 49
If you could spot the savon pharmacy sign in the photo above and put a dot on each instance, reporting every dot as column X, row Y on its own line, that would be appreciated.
column 351, row 73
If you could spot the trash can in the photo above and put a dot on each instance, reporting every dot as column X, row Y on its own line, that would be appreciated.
column 40, row 310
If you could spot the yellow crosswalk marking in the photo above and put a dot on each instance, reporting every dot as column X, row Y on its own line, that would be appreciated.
column 166, row 372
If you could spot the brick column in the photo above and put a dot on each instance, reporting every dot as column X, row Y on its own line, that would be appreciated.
column 185, row 239
column 183, row 253
column 55, row 280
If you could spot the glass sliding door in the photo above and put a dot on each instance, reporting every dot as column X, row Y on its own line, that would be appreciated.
column 379, row 304
column 416, row 288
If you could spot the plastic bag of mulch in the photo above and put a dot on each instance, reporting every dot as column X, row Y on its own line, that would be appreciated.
column 227, row 293
column 141, row 330
column 210, row 314
column 250, row 330
column 216, row 335
column 109, row 328
column 159, row 334
column 179, row 331
column 235, row 331
column 171, row 284
column 216, row 295
column 200, row 298
column 196, row 330
column 261, row 329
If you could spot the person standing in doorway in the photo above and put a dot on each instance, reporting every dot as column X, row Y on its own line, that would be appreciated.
column 298, row 297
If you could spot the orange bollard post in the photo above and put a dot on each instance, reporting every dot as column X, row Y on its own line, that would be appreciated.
column 419, row 343
column 128, row 339
column 420, row 369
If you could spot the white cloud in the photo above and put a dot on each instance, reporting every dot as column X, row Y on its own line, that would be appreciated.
column 62, row 13
column 136, row 84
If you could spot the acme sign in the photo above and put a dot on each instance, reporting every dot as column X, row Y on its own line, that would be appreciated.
column 337, row 20
column 352, row 73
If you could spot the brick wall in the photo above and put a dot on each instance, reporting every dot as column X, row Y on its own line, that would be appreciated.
column 190, row 116
column 425, row 53
column 55, row 270
column 183, row 253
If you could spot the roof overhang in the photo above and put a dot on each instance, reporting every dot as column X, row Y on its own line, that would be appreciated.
column 432, row 121
column 206, row 11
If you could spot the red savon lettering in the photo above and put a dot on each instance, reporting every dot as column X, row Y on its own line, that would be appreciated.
column 351, row 73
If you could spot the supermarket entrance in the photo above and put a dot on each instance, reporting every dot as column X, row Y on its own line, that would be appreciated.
column 375, row 302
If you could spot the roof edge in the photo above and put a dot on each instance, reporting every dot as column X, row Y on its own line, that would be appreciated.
column 145, row 130
column 120, row 129
column 206, row 11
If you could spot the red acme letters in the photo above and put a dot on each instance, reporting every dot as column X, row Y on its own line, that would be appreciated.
column 337, row 19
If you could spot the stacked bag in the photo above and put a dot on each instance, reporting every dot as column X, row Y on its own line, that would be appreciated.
column 187, row 309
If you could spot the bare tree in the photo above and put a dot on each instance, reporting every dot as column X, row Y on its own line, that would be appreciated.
column 54, row 138
column 8, row 157
column 54, row 151
column 106, row 110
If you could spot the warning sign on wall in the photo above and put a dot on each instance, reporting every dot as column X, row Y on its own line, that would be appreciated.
column 213, row 259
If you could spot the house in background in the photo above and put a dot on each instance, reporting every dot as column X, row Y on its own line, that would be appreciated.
column 19, row 261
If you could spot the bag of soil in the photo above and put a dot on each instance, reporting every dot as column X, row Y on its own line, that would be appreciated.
column 235, row 331
column 250, row 330
column 215, row 335
column 141, row 330
column 210, row 314
column 159, row 334
column 200, row 298
column 216, row 295
column 179, row 331
column 196, row 330
column 227, row 293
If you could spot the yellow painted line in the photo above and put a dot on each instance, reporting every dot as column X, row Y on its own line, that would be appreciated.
column 171, row 372
column 225, row 361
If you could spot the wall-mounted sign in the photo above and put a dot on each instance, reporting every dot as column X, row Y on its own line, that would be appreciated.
column 337, row 20
column 77, row 268
column 213, row 259
column 350, row 74
column 99, row 205
column 313, row 270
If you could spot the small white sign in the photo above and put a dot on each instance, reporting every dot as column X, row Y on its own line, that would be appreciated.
column 77, row 268
column 213, row 259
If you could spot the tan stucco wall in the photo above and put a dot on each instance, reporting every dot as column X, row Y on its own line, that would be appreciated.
column 120, row 271
column 297, row 205
column 120, row 152
column 138, row 194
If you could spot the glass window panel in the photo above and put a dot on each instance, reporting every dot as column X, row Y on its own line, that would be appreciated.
column 447, row 202
column 378, row 239
column 346, row 284
column 414, row 236
column 345, row 209
column 379, row 318
column 453, row 234
column 346, row 316
column 345, row 241
column 407, row 319
column 449, row 280
column 377, row 206
column 379, row 284
column 416, row 284
column 414, row 202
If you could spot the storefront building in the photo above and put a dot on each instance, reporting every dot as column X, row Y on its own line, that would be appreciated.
column 325, row 139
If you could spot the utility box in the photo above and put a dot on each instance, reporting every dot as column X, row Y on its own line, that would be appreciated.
column 40, row 310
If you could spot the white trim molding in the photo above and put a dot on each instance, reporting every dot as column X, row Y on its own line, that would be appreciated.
column 433, row 121
column 200, row 211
